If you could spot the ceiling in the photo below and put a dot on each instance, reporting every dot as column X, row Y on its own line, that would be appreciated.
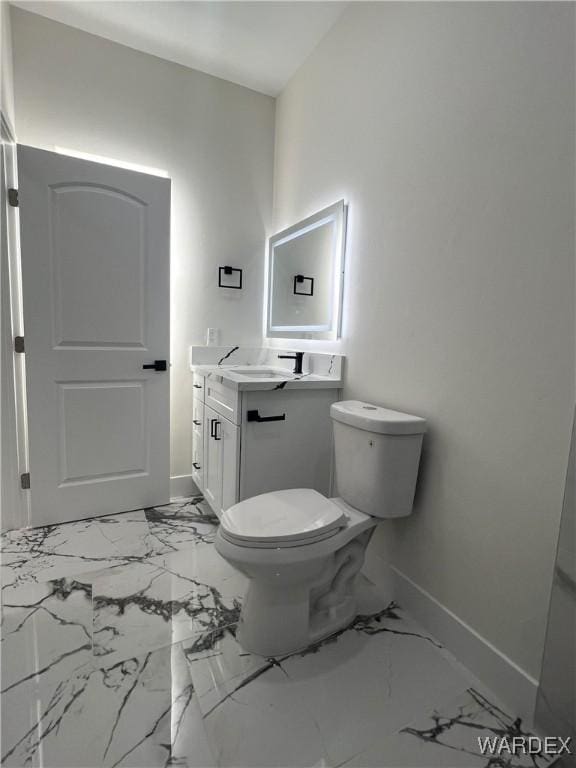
column 256, row 44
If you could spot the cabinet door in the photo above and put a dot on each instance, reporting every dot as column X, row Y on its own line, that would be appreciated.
column 198, row 443
column 221, row 466
column 230, row 463
column 213, row 455
column 292, row 451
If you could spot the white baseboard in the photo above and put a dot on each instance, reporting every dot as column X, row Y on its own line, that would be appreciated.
column 515, row 687
column 182, row 486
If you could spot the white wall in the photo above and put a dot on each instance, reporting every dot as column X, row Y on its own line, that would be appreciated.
column 6, row 68
column 449, row 129
column 215, row 140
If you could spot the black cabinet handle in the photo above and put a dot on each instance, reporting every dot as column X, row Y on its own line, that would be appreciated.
column 195, row 421
column 196, row 465
column 255, row 416
column 214, row 432
column 198, row 386
column 157, row 365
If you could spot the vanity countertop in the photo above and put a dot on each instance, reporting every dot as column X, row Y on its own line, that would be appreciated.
column 258, row 377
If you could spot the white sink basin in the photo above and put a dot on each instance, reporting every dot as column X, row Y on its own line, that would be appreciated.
column 262, row 373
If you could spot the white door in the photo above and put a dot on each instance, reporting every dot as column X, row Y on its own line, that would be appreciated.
column 95, row 243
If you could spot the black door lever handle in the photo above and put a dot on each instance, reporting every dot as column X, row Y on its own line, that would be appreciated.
column 157, row 365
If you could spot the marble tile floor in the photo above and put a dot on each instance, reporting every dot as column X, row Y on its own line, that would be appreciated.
column 118, row 649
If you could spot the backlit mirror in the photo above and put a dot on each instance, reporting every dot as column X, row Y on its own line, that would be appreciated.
column 305, row 276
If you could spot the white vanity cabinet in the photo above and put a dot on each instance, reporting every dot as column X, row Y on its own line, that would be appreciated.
column 254, row 441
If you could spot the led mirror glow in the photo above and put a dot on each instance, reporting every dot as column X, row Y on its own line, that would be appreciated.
column 305, row 277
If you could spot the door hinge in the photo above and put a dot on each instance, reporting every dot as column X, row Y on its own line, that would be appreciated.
column 19, row 344
column 25, row 481
column 13, row 198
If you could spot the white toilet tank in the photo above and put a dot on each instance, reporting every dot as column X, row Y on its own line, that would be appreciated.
column 377, row 456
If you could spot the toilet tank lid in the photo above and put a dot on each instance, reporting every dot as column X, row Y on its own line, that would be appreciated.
column 373, row 418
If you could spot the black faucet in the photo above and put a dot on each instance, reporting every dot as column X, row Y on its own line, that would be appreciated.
column 297, row 357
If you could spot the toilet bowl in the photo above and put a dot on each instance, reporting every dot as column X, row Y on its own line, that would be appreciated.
column 300, row 577
column 302, row 551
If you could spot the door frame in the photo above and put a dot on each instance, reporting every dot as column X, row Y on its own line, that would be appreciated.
column 14, row 418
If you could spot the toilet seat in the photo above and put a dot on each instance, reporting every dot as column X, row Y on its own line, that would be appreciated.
column 288, row 518
column 277, row 543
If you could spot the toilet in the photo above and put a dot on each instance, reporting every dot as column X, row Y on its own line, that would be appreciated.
column 302, row 551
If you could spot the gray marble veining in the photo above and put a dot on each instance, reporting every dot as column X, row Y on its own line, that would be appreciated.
column 119, row 649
